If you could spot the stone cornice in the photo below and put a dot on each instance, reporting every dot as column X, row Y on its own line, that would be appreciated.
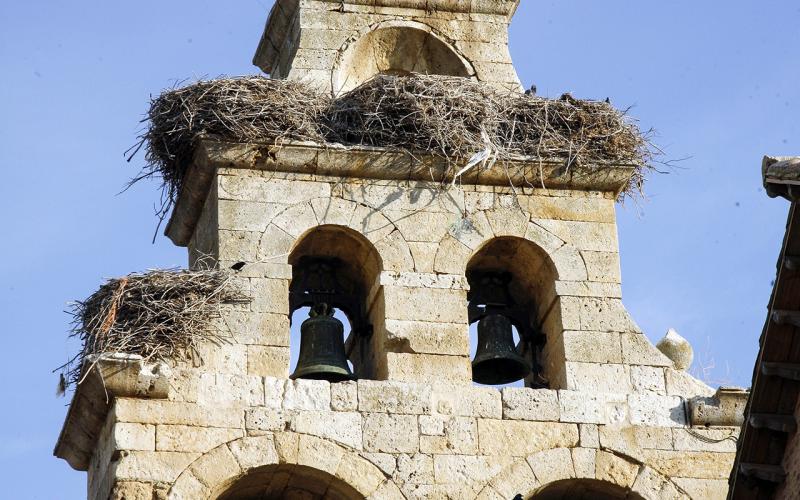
column 374, row 163
column 106, row 378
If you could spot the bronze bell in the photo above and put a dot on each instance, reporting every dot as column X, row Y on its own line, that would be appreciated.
column 497, row 360
column 322, row 355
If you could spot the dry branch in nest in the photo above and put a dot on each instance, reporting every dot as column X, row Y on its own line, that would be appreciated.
column 160, row 315
column 245, row 108
column 454, row 117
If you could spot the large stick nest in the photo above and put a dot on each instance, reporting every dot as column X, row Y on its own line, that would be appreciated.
column 450, row 116
column 160, row 315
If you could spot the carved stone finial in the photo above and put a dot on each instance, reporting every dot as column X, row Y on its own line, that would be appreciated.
column 677, row 349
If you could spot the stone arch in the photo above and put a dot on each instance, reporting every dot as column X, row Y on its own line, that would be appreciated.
column 462, row 242
column 399, row 47
column 288, row 227
column 554, row 471
column 216, row 473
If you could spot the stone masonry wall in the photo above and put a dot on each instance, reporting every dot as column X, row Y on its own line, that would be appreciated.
column 616, row 410
column 422, row 441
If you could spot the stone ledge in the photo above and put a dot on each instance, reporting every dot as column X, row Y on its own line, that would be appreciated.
column 106, row 378
column 370, row 163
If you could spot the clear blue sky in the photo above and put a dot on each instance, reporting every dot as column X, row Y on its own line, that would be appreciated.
column 718, row 80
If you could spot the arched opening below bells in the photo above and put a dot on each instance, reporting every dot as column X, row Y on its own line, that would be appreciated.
column 279, row 482
column 585, row 489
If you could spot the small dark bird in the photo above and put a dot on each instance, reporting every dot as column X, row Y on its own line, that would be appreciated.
column 531, row 91
column 238, row 266
column 608, row 100
column 62, row 385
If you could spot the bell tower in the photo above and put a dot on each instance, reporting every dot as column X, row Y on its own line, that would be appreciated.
column 398, row 252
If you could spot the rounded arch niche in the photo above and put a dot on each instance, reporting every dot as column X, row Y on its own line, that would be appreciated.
column 522, row 274
column 396, row 47
column 352, row 268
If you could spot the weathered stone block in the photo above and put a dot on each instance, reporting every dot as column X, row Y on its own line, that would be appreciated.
column 530, row 404
column 193, row 439
column 697, row 464
column 616, row 470
column 707, row 489
column 425, row 304
column 247, row 215
column 590, row 435
column 503, row 437
column 427, row 367
column 414, row 469
column 253, row 187
column 393, row 397
column 429, row 338
column 266, row 419
column 513, row 479
column 269, row 295
column 471, row 472
column 130, row 436
column 598, row 377
column 638, row 350
column 344, row 428
column 592, row 347
column 344, row 396
column 268, row 361
column 699, row 439
column 258, row 328
column 552, row 465
column 648, row 379
column 460, row 437
column 254, row 452
column 481, row 402
column 657, row 411
column 230, row 390
column 649, row 484
column 602, row 266
column 584, row 461
column 358, row 473
column 432, row 425
column 153, row 466
column 590, row 236
column 388, row 433
column 130, row 490
column 304, row 394
column 176, row 413
column 630, row 440
column 592, row 408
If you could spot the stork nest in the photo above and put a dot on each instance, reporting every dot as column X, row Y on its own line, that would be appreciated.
column 450, row 116
column 160, row 315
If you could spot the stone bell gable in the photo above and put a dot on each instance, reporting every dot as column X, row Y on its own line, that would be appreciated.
column 338, row 45
column 413, row 260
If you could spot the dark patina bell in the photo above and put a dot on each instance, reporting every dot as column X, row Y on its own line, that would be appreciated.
column 497, row 360
column 322, row 355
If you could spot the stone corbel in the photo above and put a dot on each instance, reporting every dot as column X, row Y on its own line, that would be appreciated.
column 723, row 409
column 106, row 377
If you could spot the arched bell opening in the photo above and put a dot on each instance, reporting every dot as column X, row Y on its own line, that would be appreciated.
column 511, row 284
column 333, row 271
column 280, row 482
column 398, row 49
column 585, row 489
